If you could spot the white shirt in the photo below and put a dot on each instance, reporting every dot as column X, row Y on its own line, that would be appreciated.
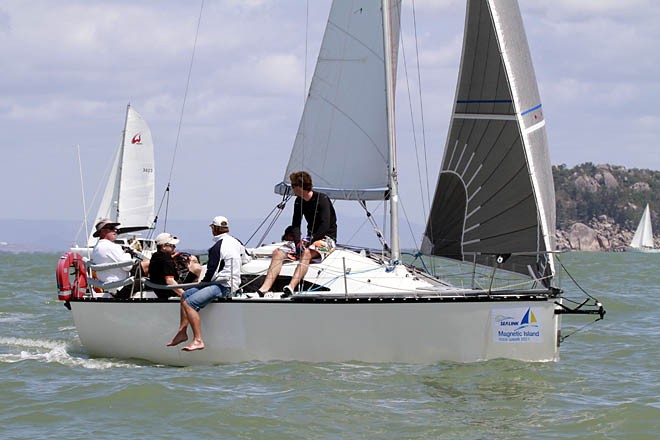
column 230, row 252
column 105, row 252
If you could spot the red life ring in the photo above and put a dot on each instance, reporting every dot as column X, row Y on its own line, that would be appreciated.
column 65, row 285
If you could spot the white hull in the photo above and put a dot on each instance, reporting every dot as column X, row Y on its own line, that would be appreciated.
column 391, row 314
column 370, row 331
column 645, row 250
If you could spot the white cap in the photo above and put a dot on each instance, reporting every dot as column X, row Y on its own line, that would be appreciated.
column 220, row 221
column 166, row 238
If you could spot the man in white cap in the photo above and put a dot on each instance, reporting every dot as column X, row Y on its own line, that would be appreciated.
column 107, row 251
column 224, row 270
column 162, row 269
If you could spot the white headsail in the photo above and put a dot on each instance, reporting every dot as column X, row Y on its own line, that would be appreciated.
column 129, row 192
column 495, row 193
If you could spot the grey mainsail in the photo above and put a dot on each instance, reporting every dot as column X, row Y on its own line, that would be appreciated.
column 495, row 193
column 342, row 137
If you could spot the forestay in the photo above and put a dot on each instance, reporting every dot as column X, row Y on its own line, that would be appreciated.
column 495, row 192
column 342, row 137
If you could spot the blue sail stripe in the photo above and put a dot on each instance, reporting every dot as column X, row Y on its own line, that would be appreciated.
column 530, row 110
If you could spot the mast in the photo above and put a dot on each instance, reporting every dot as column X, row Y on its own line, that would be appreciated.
column 391, row 134
column 121, row 162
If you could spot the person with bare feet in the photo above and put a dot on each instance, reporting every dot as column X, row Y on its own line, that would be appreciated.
column 224, row 270
column 321, row 220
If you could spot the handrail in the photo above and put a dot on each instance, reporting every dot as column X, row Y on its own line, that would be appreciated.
column 111, row 284
column 148, row 283
column 106, row 266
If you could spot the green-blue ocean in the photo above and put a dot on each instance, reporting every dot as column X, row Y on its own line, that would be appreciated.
column 606, row 385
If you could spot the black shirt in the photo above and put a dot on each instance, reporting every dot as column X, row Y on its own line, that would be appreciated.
column 319, row 215
column 161, row 266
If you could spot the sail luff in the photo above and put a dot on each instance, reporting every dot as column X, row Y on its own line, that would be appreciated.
column 389, row 70
column 539, row 164
column 121, row 163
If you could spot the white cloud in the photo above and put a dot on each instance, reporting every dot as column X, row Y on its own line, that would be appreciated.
column 70, row 67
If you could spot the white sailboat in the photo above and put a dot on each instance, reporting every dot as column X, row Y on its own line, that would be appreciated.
column 129, row 195
column 494, row 207
column 643, row 239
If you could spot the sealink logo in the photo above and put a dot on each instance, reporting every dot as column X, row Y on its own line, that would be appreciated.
column 516, row 325
column 529, row 320
column 137, row 139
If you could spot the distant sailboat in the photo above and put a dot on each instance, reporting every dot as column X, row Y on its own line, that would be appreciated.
column 130, row 191
column 643, row 239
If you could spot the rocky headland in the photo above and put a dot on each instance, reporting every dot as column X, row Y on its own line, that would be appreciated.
column 599, row 206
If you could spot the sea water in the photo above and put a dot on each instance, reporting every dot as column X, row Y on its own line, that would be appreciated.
column 606, row 385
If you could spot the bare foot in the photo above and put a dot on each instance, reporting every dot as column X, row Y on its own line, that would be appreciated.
column 180, row 337
column 194, row 345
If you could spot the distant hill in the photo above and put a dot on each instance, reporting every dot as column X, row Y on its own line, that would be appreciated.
column 608, row 199
column 598, row 208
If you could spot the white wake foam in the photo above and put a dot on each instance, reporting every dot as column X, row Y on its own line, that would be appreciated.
column 56, row 351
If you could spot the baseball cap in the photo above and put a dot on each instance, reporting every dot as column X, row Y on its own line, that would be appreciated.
column 220, row 221
column 166, row 238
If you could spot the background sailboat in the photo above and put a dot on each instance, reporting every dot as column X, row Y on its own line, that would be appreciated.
column 643, row 239
column 129, row 194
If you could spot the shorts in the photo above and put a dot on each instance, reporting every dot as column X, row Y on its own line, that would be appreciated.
column 199, row 298
column 323, row 247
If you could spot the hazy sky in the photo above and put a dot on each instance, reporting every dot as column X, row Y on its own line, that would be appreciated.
column 70, row 67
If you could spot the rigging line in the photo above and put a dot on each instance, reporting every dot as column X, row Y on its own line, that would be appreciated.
column 405, row 214
column 270, row 227
column 82, row 190
column 104, row 178
column 160, row 206
column 414, row 131
column 421, row 104
column 183, row 105
column 280, row 206
column 374, row 225
column 575, row 281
